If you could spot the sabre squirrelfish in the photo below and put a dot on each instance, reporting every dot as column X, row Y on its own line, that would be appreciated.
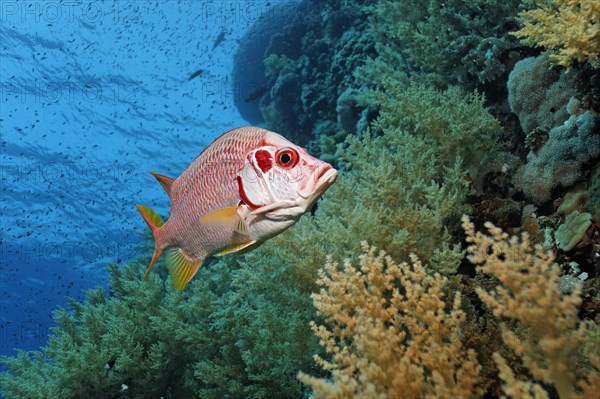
column 249, row 185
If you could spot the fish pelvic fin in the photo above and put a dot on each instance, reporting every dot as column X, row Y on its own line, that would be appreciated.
column 165, row 181
column 240, row 248
column 181, row 268
column 154, row 222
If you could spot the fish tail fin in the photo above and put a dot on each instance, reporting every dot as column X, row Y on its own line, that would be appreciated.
column 154, row 222
column 181, row 267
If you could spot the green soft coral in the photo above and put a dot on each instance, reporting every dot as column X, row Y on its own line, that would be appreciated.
column 453, row 122
column 259, row 326
column 453, row 39
column 107, row 347
column 237, row 331
column 568, row 29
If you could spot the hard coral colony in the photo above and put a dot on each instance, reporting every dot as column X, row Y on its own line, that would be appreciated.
column 431, row 111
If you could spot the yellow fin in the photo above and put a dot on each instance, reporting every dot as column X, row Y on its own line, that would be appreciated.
column 154, row 221
column 238, row 247
column 249, row 248
column 227, row 217
column 181, row 269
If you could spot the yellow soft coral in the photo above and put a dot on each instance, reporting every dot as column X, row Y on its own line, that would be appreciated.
column 550, row 333
column 392, row 334
column 568, row 29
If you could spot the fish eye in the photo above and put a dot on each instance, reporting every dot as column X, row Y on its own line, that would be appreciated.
column 287, row 158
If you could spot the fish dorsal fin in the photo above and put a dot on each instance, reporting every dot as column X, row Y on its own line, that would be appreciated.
column 240, row 248
column 180, row 267
column 227, row 217
column 165, row 181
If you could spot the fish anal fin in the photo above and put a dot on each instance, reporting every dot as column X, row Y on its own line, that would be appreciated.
column 181, row 268
column 227, row 217
column 249, row 248
column 165, row 181
column 240, row 248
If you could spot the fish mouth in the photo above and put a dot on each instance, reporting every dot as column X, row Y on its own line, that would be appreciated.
column 325, row 178
column 327, row 174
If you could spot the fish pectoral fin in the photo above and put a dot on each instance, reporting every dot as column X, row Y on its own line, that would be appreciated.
column 241, row 228
column 227, row 217
column 181, row 268
column 240, row 248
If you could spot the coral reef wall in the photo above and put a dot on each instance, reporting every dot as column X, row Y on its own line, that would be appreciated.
column 309, row 68
column 248, row 73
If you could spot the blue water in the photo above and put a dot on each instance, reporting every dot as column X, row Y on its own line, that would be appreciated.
column 94, row 95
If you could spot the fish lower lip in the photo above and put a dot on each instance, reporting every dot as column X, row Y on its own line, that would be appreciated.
column 328, row 175
column 323, row 171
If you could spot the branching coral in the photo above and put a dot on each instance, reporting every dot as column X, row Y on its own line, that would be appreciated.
column 550, row 335
column 106, row 344
column 453, row 121
column 390, row 333
column 456, row 39
column 568, row 29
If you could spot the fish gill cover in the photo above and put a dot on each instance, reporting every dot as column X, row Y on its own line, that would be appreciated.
column 430, row 110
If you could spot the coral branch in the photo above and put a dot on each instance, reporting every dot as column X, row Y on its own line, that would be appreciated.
column 391, row 334
column 568, row 29
column 550, row 334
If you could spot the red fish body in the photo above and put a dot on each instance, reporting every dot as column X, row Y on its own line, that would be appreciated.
column 249, row 185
